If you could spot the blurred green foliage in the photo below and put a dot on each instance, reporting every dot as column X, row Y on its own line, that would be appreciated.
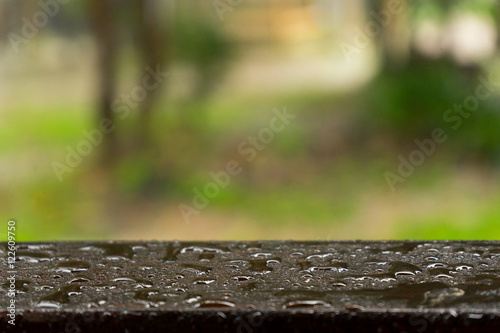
column 201, row 44
column 307, row 193
column 408, row 104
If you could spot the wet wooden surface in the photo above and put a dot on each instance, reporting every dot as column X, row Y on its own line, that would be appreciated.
column 266, row 286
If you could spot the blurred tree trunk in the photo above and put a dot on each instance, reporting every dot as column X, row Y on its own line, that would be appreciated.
column 496, row 17
column 394, row 39
column 145, row 22
column 153, row 53
column 10, row 12
column 102, row 18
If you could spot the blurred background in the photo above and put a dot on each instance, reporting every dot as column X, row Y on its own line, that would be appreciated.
column 364, row 80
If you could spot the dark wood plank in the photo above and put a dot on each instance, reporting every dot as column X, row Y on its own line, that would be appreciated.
column 267, row 286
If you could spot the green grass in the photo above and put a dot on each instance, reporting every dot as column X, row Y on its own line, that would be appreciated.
column 482, row 226
column 294, row 190
column 43, row 128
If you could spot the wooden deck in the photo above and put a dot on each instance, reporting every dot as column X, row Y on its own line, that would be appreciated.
column 265, row 286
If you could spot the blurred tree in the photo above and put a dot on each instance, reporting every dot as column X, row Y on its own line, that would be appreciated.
column 152, row 49
column 394, row 39
column 413, row 89
column 200, row 43
column 105, row 31
column 9, row 11
column 204, row 47
column 154, row 42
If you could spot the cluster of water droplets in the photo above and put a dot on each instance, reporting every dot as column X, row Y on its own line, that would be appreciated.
column 256, row 275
